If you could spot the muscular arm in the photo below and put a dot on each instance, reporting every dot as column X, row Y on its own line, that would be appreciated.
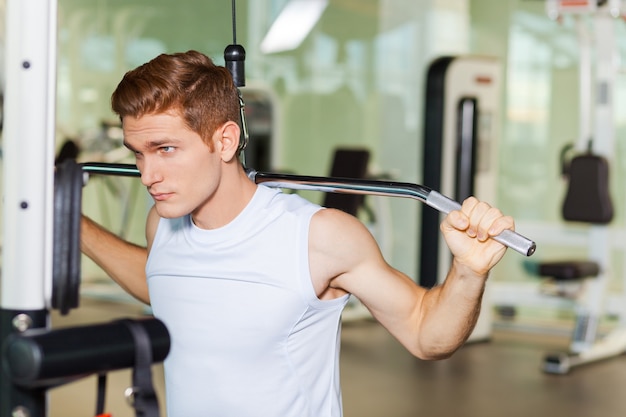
column 121, row 260
column 433, row 323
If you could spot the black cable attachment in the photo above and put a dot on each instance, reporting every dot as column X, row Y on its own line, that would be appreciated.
column 234, row 57
column 245, row 135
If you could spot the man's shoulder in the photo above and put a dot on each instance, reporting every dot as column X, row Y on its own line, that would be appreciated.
column 286, row 201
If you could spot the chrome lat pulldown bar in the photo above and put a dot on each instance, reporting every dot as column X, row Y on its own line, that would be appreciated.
column 424, row 194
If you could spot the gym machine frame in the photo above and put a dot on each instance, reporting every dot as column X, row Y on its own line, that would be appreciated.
column 586, row 347
column 33, row 357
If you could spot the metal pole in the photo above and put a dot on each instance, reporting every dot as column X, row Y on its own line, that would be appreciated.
column 28, row 151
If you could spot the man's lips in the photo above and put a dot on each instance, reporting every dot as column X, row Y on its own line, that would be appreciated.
column 160, row 196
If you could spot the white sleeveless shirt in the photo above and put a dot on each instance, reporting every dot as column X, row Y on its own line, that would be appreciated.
column 249, row 335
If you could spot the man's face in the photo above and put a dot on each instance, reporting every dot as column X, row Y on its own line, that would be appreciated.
column 177, row 167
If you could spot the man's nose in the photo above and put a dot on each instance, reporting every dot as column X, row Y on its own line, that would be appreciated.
column 150, row 173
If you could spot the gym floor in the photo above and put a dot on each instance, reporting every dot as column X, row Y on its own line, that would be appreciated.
column 499, row 377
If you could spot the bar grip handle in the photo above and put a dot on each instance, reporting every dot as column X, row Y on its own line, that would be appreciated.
column 508, row 238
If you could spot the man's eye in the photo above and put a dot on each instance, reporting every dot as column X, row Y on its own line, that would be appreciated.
column 167, row 149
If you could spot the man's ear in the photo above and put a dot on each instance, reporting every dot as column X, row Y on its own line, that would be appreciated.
column 229, row 134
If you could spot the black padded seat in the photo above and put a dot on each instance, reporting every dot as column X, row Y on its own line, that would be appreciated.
column 569, row 270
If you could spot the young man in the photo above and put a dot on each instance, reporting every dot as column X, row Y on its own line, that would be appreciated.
column 251, row 282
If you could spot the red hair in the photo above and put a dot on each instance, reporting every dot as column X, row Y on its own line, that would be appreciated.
column 189, row 83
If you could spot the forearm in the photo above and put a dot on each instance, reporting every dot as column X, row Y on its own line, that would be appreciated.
column 450, row 312
column 123, row 261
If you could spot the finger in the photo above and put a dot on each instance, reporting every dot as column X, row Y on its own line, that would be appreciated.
column 485, row 223
column 501, row 224
column 456, row 220
column 480, row 215
column 469, row 204
column 460, row 219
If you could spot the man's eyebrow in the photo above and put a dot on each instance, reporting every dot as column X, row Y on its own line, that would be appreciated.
column 127, row 145
column 153, row 144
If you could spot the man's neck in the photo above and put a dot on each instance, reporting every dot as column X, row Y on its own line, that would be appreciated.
column 232, row 196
